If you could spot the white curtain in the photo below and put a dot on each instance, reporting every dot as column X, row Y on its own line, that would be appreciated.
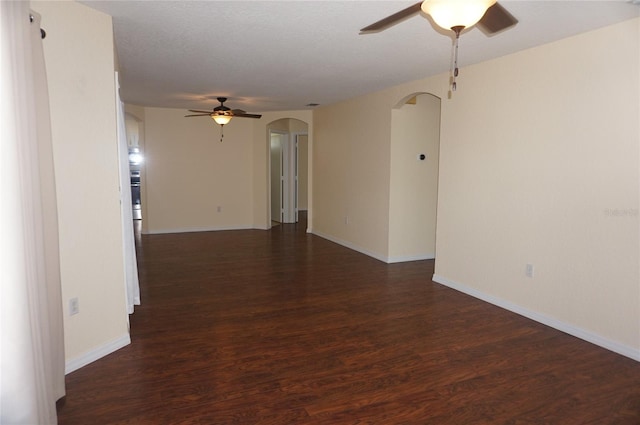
column 31, row 331
column 132, row 285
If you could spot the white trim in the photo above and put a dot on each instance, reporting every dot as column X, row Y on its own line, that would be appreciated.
column 407, row 258
column 131, row 279
column 351, row 246
column 384, row 259
column 583, row 334
column 289, row 174
column 270, row 200
column 198, row 229
column 97, row 353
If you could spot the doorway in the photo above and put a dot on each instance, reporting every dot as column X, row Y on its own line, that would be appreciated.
column 278, row 141
column 136, row 159
column 415, row 157
column 288, row 165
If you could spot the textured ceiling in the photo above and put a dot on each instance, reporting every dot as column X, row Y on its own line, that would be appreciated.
column 283, row 55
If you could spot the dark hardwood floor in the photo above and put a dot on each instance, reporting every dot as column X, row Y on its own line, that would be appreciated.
column 281, row 327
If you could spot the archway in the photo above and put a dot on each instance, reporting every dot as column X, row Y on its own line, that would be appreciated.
column 415, row 143
column 288, row 169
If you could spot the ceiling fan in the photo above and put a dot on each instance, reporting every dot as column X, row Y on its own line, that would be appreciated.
column 454, row 15
column 222, row 114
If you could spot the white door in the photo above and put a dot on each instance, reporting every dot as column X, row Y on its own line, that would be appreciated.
column 284, row 177
column 289, row 156
column 302, row 174
column 277, row 177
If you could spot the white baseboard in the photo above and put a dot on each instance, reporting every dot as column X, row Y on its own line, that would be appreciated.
column 384, row 259
column 197, row 229
column 596, row 339
column 97, row 353
column 351, row 246
column 406, row 258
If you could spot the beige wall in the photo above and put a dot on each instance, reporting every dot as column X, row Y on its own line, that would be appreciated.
column 280, row 125
column 188, row 173
column 192, row 180
column 351, row 173
column 539, row 160
column 297, row 127
column 80, row 72
column 547, row 152
column 415, row 130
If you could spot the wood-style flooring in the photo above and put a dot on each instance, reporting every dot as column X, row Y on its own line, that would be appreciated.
column 282, row 327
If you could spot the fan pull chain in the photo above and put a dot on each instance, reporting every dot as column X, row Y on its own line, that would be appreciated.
column 221, row 132
column 455, row 67
column 455, row 71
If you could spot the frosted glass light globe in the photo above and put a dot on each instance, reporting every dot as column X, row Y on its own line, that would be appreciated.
column 456, row 13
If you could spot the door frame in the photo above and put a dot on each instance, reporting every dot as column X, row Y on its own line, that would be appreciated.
column 279, row 219
column 288, row 177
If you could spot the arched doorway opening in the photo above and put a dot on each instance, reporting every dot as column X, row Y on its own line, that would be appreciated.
column 288, row 170
column 415, row 153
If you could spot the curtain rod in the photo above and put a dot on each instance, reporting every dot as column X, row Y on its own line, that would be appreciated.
column 43, row 33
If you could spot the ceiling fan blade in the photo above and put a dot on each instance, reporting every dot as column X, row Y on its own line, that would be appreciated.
column 392, row 19
column 247, row 115
column 222, row 110
column 496, row 19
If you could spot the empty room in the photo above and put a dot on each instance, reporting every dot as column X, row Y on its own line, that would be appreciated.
column 321, row 212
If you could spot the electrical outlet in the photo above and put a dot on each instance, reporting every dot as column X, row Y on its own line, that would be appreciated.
column 529, row 270
column 74, row 306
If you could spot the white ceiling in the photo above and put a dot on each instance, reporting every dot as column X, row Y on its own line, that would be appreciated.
column 283, row 55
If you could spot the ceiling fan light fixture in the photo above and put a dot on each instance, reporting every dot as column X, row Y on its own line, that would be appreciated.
column 221, row 119
column 456, row 13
